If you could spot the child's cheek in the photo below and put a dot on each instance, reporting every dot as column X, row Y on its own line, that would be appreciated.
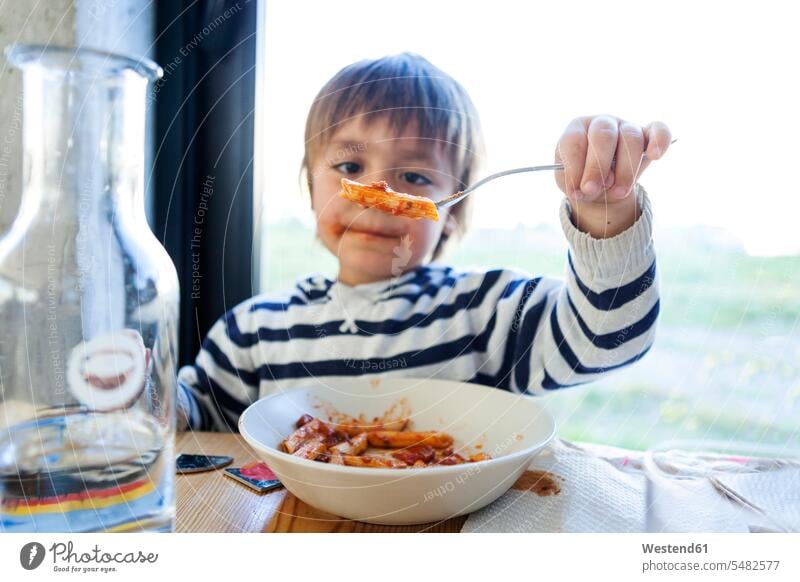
column 328, row 208
column 325, row 189
column 424, row 234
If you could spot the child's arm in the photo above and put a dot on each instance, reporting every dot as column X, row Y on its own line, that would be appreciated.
column 546, row 333
column 550, row 334
column 214, row 391
column 604, row 317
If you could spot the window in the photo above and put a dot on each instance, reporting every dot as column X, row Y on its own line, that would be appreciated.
column 726, row 363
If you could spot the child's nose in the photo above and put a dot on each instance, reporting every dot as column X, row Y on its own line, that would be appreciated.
column 379, row 176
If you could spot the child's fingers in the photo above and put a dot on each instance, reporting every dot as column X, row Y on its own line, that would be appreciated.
column 658, row 138
column 602, row 136
column 571, row 152
column 588, row 146
column 630, row 148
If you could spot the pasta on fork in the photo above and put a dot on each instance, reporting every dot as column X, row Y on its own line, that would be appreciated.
column 380, row 196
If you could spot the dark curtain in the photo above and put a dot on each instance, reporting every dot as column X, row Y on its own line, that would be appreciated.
column 203, row 175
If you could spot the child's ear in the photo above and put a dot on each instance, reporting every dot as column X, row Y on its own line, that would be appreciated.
column 306, row 184
column 310, row 193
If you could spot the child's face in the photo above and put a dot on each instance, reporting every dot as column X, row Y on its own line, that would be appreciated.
column 372, row 245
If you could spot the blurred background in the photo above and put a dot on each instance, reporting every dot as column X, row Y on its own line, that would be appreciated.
column 239, row 76
column 726, row 363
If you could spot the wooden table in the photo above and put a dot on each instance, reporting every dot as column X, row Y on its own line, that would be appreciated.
column 212, row 502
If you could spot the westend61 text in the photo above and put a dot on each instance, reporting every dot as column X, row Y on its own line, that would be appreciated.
column 673, row 549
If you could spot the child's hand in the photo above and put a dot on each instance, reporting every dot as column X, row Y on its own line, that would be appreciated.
column 599, row 195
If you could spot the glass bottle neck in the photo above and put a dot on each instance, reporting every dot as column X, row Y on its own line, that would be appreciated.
column 83, row 146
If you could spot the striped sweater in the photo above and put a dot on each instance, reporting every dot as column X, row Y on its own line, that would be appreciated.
column 501, row 328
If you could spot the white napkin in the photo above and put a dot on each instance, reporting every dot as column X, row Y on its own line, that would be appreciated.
column 604, row 489
column 777, row 493
column 720, row 493
column 598, row 494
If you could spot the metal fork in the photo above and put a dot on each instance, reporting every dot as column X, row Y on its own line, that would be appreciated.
column 459, row 196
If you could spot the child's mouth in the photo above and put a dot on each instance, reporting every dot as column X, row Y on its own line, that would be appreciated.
column 371, row 231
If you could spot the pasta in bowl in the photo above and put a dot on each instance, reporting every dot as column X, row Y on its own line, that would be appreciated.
column 502, row 431
column 379, row 444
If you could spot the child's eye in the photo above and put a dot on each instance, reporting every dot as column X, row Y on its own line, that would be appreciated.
column 348, row 168
column 416, row 179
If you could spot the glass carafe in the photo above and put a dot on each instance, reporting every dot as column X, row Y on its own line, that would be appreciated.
column 88, row 308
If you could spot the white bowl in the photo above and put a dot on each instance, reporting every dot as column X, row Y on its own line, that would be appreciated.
column 511, row 428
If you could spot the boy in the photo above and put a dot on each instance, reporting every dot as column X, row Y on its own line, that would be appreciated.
column 391, row 310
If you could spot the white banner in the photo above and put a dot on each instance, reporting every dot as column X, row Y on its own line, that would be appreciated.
column 388, row 557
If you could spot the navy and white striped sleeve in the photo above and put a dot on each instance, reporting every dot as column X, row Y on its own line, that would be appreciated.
column 222, row 382
column 600, row 319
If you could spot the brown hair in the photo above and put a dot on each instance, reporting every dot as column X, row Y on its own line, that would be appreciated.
column 404, row 88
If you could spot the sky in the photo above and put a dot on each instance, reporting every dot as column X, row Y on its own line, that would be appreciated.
column 722, row 76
